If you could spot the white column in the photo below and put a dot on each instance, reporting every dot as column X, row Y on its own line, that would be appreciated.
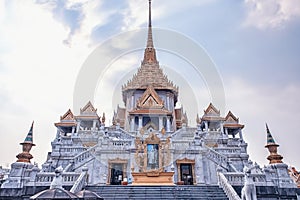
column 94, row 124
column 221, row 127
column 73, row 130
column 132, row 102
column 241, row 135
column 206, row 126
column 78, row 125
column 168, row 102
column 132, row 123
column 226, row 131
column 168, row 123
column 160, row 123
column 140, row 122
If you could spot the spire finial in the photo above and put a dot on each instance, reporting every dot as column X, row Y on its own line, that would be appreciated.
column 150, row 54
column 150, row 39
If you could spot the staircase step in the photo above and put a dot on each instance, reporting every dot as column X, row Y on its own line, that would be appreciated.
column 159, row 192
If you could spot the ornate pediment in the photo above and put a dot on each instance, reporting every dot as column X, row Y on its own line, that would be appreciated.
column 67, row 120
column 230, row 118
column 232, row 121
column 88, row 109
column 150, row 99
column 68, row 116
column 212, row 110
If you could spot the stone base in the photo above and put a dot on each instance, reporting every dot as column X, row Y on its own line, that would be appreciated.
column 153, row 178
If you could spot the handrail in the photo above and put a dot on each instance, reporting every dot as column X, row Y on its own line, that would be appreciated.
column 80, row 182
column 86, row 151
column 223, row 161
column 68, row 167
column 84, row 157
column 227, row 188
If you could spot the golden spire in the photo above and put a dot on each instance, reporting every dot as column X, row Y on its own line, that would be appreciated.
column 150, row 54
column 150, row 39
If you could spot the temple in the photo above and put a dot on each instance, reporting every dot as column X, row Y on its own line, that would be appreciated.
column 150, row 143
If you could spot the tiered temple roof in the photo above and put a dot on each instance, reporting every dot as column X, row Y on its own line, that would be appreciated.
column 150, row 72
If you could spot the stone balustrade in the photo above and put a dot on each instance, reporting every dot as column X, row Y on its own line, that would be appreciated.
column 84, row 157
column 237, row 179
column 234, row 142
column 45, row 178
column 218, row 158
column 227, row 187
column 71, row 151
column 80, row 182
column 232, row 150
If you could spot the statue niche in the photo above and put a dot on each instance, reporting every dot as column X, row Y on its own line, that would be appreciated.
column 148, row 154
column 151, row 156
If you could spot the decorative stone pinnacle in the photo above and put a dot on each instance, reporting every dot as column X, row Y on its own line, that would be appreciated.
column 103, row 118
column 25, row 156
column 271, row 145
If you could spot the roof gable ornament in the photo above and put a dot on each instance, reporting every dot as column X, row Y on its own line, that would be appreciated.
column 150, row 99
column 232, row 122
column 68, row 116
column 230, row 118
column 212, row 110
column 88, row 109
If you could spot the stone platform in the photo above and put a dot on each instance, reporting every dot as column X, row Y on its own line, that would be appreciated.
column 153, row 178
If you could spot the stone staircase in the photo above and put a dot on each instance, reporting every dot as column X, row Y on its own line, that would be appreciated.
column 159, row 192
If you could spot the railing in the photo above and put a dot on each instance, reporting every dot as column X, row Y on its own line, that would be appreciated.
column 71, row 151
column 234, row 142
column 45, row 178
column 120, row 144
column 68, row 167
column 230, row 150
column 84, row 157
column 180, row 145
column 80, row 182
column 237, row 179
column 218, row 158
column 227, row 188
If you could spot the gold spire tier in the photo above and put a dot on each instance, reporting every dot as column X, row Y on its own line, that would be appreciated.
column 150, row 72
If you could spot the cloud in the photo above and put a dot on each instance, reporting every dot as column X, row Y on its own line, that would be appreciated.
column 264, row 14
column 37, row 75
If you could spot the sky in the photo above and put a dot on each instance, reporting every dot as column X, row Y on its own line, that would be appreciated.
column 254, row 45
